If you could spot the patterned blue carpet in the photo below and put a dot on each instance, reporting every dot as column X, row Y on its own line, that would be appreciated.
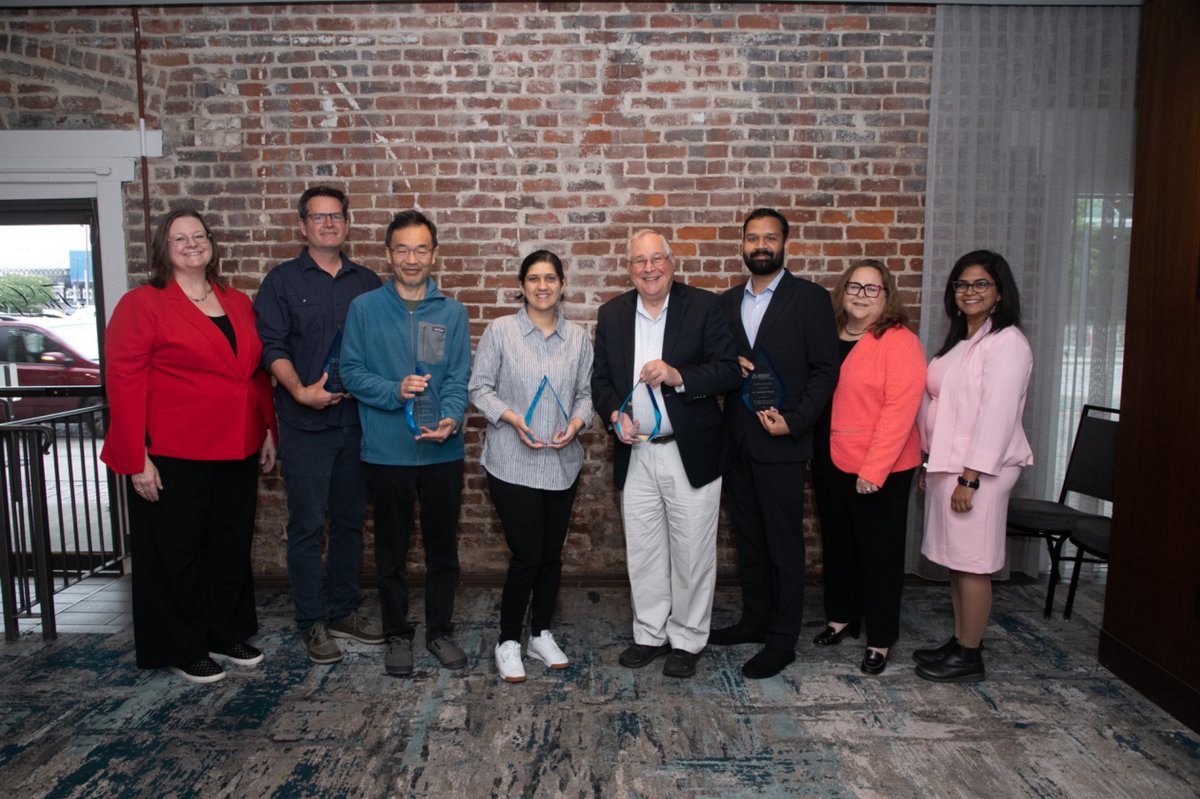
column 78, row 720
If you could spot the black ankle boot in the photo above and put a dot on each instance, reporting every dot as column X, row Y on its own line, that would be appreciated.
column 961, row 665
column 927, row 656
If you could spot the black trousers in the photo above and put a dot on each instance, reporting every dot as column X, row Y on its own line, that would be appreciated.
column 766, row 505
column 193, row 591
column 535, row 524
column 395, row 490
column 863, row 539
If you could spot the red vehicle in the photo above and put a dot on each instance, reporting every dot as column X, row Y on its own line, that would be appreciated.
column 47, row 351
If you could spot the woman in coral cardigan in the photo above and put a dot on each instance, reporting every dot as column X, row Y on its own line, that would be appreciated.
column 191, row 423
column 970, row 425
column 866, row 452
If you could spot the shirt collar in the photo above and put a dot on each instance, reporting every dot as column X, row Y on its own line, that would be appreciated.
column 770, row 289
column 526, row 325
column 641, row 308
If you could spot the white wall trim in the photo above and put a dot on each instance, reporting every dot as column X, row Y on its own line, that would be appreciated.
column 87, row 164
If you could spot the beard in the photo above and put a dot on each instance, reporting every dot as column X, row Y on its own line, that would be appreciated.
column 763, row 262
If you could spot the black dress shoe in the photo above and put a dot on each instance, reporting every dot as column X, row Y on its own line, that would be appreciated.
column 681, row 663
column 768, row 662
column 830, row 636
column 961, row 665
column 873, row 662
column 927, row 656
column 637, row 655
column 735, row 634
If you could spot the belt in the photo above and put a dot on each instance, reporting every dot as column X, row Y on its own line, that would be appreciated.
column 667, row 439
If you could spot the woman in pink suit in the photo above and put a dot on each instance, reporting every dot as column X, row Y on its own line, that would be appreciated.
column 970, row 425
column 865, row 453
column 191, row 423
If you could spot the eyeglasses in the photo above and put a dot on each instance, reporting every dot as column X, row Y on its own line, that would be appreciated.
column 321, row 219
column 870, row 290
column 658, row 259
column 421, row 253
column 179, row 242
column 979, row 286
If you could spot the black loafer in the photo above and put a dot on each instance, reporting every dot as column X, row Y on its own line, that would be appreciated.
column 873, row 662
column 736, row 634
column 961, row 665
column 830, row 636
column 681, row 663
column 768, row 662
column 637, row 655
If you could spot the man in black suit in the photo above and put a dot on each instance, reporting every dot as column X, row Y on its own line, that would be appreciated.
column 664, row 353
column 783, row 325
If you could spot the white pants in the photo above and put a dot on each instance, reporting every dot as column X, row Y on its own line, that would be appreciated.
column 670, row 548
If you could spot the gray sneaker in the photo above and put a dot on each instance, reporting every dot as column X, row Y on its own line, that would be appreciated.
column 398, row 661
column 358, row 627
column 320, row 647
column 449, row 653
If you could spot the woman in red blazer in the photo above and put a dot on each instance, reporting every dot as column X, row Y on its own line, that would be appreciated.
column 191, row 422
column 866, row 451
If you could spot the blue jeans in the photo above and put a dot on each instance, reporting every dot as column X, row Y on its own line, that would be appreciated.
column 323, row 473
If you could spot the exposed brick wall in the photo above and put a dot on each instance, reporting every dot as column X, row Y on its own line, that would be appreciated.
column 515, row 126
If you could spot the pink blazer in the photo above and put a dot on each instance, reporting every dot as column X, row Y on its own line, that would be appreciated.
column 873, row 431
column 975, row 422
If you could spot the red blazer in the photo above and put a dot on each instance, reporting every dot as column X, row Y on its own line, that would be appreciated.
column 175, row 385
column 873, row 431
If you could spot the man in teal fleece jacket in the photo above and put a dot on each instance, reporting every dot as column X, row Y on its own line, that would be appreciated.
column 406, row 358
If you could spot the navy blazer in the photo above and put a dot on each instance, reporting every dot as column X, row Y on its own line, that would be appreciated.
column 696, row 341
column 800, row 337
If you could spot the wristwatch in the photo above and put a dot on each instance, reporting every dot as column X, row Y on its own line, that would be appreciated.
column 965, row 483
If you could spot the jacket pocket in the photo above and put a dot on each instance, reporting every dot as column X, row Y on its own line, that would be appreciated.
column 431, row 342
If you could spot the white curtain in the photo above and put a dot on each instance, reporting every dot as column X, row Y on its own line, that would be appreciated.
column 1031, row 155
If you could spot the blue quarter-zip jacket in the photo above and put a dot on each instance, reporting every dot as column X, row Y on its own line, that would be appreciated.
column 382, row 344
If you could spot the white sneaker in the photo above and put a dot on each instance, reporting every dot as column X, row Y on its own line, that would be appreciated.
column 543, row 648
column 508, row 661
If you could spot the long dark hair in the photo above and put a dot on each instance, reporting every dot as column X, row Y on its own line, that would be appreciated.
column 894, row 313
column 1007, row 310
column 160, row 251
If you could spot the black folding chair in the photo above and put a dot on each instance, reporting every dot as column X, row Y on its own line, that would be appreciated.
column 1089, row 537
column 1090, row 473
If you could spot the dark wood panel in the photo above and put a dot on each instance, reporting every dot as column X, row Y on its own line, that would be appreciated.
column 1151, row 629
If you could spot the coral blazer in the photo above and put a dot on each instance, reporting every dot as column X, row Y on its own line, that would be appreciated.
column 873, row 430
column 976, row 420
column 175, row 386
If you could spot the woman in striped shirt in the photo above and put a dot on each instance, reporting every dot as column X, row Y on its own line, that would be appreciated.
column 532, row 381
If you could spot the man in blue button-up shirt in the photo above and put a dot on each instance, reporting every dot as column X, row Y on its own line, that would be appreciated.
column 301, row 310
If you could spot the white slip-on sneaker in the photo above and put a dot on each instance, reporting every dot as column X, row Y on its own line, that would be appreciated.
column 508, row 661
column 543, row 648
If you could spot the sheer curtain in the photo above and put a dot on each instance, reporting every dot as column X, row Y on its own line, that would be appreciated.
column 1031, row 155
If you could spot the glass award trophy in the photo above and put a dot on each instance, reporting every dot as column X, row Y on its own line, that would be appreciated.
column 423, row 411
column 333, row 366
column 763, row 389
column 544, row 425
column 627, row 409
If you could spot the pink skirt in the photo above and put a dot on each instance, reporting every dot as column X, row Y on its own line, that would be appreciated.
column 974, row 541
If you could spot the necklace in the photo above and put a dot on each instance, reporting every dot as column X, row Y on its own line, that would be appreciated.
column 850, row 332
column 207, row 292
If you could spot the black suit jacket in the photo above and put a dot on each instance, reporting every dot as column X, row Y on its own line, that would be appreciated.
column 697, row 341
column 800, row 337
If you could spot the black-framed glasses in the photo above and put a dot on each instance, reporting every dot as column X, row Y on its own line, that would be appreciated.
column 978, row 286
column 321, row 219
column 870, row 290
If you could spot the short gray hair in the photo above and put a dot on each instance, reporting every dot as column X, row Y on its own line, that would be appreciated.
column 647, row 232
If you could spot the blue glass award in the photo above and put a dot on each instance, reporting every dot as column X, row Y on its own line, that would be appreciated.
column 548, row 422
column 424, row 410
column 763, row 389
column 333, row 366
column 627, row 409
